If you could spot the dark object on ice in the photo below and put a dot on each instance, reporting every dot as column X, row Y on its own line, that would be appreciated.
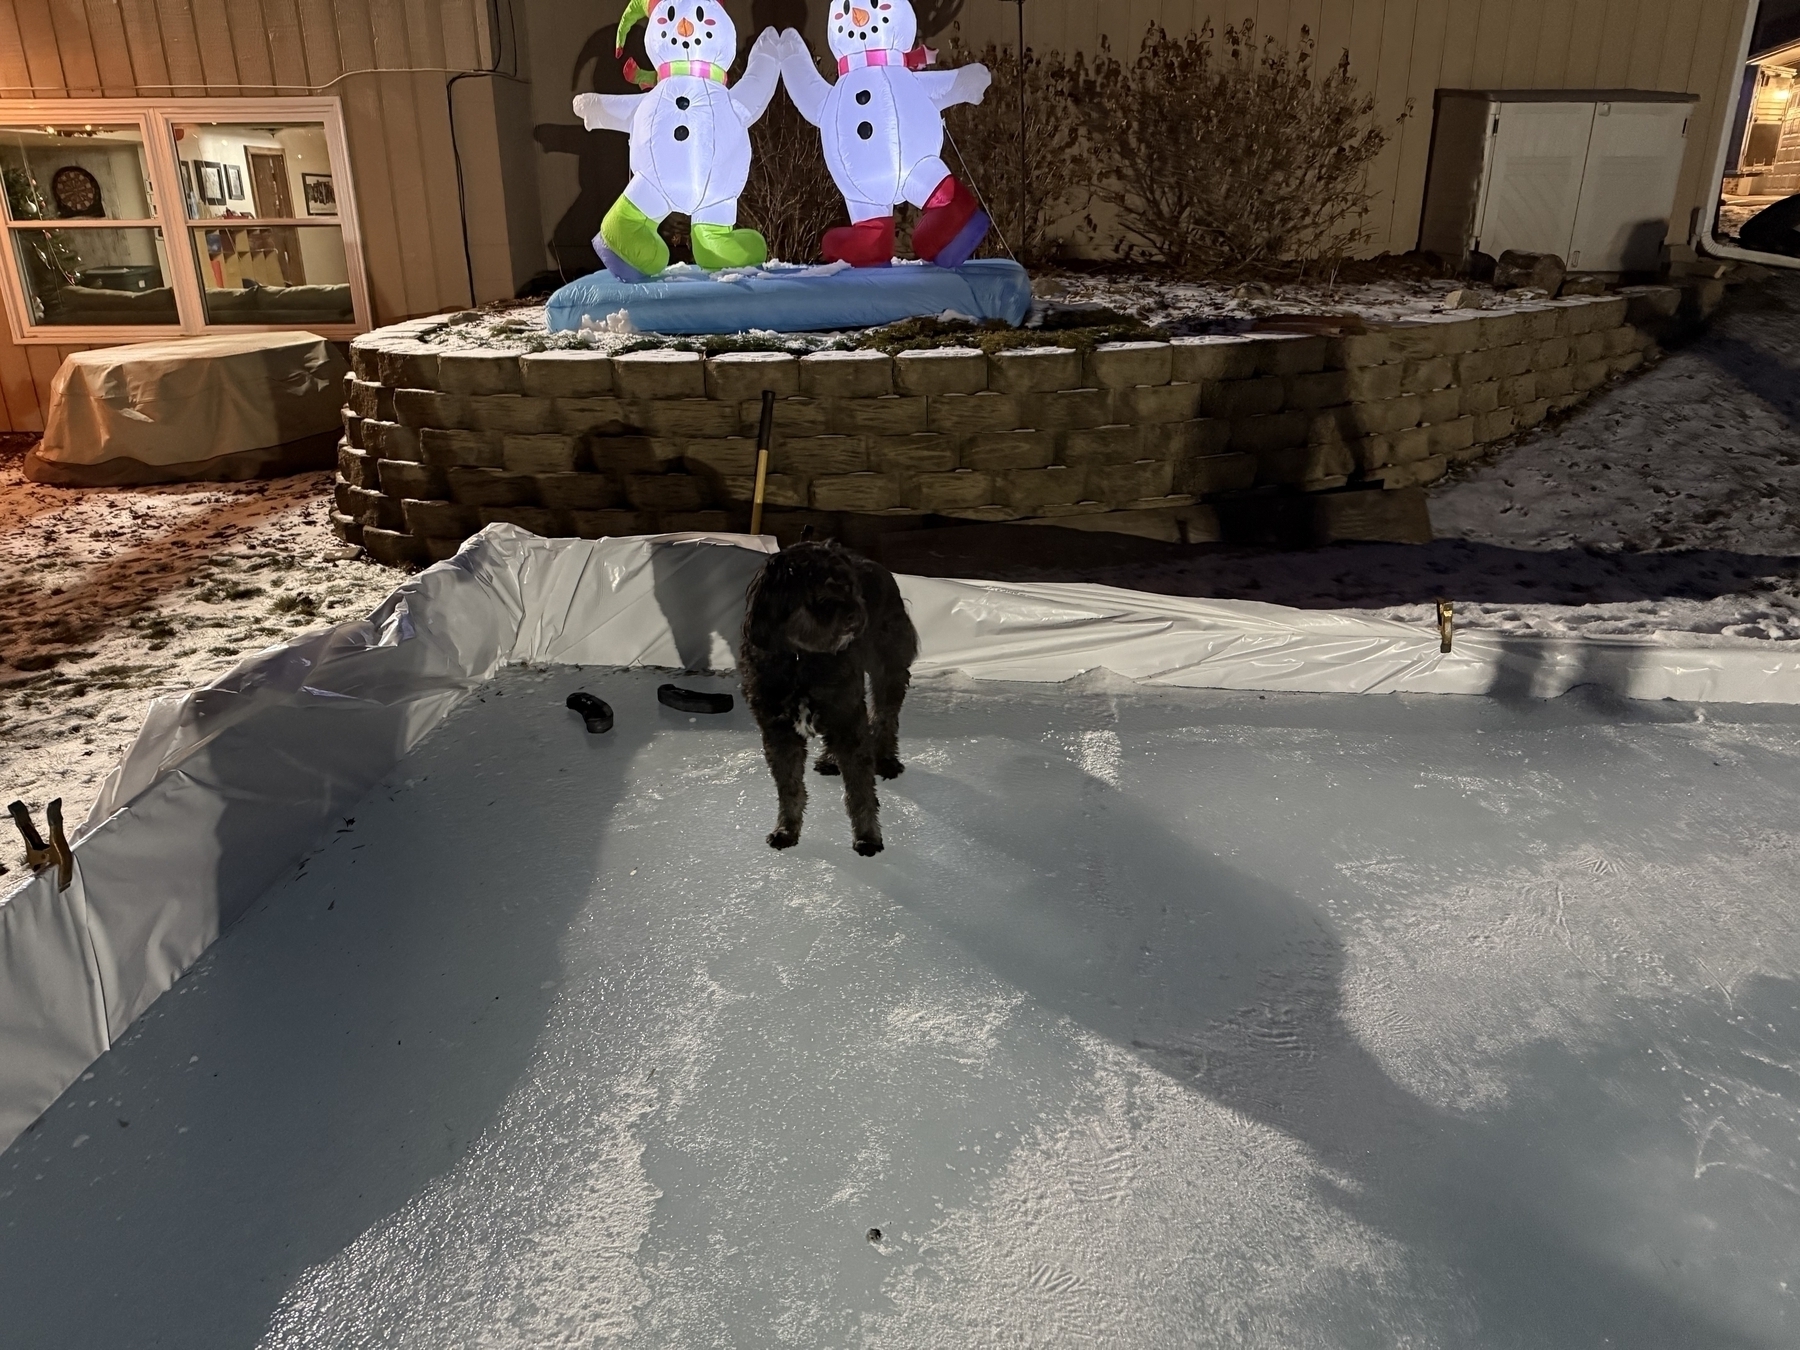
column 597, row 713
column 874, row 1235
column 1774, row 229
column 820, row 625
column 692, row 700
column 1540, row 271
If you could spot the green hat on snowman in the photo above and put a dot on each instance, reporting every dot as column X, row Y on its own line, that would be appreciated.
column 636, row 12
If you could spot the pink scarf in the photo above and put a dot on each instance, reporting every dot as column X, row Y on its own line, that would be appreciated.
column 917, row 59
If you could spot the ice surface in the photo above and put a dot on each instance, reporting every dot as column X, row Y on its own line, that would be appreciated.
column 1167, row 1018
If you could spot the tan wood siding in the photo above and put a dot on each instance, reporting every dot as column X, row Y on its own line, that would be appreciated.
column 1409, row 49
column 387, row 60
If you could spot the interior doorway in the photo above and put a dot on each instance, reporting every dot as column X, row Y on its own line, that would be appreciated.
column 272, row 197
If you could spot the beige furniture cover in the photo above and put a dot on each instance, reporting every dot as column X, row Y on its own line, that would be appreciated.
column 226, row 407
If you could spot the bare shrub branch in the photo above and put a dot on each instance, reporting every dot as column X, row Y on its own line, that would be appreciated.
column 985, row 138
column 1220, row 158
column 790, row 197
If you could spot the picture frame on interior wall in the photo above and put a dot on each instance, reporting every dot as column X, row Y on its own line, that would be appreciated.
column 190, row 203
column 234, row 183
column 212, row 182
column 320, row 194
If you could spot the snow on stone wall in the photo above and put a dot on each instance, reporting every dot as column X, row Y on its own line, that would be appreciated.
column 1152, row 438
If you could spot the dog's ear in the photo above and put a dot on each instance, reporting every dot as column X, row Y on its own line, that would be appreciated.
column 763, row 610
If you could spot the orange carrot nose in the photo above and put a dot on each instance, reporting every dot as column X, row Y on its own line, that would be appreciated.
column 684, row 28
column 859, row 17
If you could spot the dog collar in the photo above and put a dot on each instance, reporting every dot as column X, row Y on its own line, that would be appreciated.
column 917, row 59
column 706, row 70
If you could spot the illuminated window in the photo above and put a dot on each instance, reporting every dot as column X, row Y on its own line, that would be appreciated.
column 130, row 219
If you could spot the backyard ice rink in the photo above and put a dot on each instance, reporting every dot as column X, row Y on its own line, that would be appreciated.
column 1167, row 1018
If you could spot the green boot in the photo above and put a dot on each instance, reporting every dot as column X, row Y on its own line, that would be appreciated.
column 629, row 245
column 720, row 246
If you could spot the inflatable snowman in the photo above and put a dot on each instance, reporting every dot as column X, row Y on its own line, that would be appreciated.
column 883, row 129
column 690, row 138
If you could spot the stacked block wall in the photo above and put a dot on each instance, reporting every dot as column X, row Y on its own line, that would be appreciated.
column 1141, row 437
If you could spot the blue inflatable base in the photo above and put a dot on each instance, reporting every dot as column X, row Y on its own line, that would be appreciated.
column 793, row 299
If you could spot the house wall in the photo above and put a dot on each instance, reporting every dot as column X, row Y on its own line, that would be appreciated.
column 387, row 60
column 529, row 172
column 1408, row 49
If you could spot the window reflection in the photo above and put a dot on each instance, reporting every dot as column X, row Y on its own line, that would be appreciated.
column 75, row 173
column 274, row 274
column 98, row 276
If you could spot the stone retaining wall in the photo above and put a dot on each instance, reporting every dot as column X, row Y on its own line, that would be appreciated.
column 1166, row 439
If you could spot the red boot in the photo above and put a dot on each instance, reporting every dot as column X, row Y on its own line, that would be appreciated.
column 868, row 243
column 951, row 226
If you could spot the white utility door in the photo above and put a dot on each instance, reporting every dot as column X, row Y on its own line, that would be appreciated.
column 1634, row 160
column 1533, row 190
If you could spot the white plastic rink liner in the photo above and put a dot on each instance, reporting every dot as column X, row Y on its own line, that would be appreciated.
column 228, row 786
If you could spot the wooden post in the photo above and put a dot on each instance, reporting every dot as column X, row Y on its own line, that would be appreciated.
column 1446, row 614
column 762, row 460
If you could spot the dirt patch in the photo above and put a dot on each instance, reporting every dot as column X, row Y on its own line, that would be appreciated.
column 111, row 598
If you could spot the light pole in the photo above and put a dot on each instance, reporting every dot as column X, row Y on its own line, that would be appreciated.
column 1024, row 158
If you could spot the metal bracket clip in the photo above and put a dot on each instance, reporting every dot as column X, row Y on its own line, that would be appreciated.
column 38, row 854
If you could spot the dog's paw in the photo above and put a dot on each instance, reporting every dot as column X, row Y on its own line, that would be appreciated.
column 784, row 838
column 869, row 847
column 889, row 767
column 827, row 766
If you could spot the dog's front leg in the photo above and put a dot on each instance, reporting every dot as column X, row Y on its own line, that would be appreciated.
column 785, row 749
column 849, row 743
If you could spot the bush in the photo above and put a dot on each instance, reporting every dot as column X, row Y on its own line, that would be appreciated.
column 984, row 137
column 1223, row 161
column 790, row 197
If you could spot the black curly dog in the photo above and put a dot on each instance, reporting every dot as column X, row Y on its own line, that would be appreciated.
column 820, row 625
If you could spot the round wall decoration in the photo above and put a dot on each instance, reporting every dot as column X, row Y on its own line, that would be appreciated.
column 77, row 192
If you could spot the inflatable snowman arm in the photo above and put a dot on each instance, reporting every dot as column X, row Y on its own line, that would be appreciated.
column 965, row 84
column 805, row 85
column 606, row 112
column 752, row 93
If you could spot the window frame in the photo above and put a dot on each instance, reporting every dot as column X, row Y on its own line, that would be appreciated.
column 156, row 120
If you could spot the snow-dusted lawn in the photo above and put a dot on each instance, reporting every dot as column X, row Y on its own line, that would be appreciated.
column 1670, row 501
column 1167, row 1019
column 111, row 597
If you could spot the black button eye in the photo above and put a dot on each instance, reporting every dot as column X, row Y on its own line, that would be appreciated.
column 671, row 14
column 699, row 15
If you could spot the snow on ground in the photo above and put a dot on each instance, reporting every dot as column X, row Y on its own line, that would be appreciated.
column 1199, row 306
column 115, row 596
column 1167, row 1018
column 1179, row 307
column 1670, row 502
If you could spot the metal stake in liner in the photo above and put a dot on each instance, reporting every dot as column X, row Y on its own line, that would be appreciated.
column 763, row 431
column 38, row 854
